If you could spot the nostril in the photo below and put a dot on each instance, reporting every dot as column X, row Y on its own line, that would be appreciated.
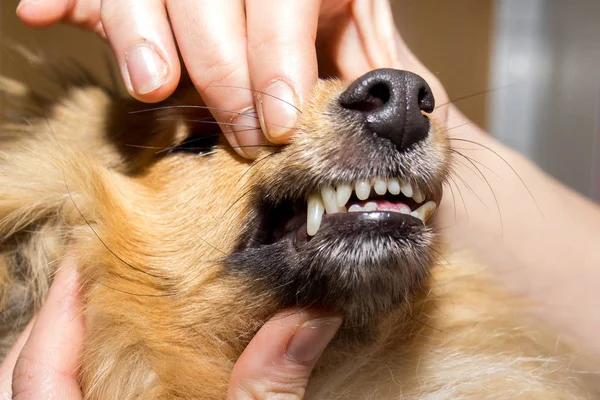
column 377, row 96
column 425, row 99
column 390, row 103
column 380, row 92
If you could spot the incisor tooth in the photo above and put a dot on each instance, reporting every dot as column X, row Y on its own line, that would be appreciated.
column 355, row 208
column 394, row 186
column 380, row 186
column 404, row 209
column 370, row 206
column 425, row 211
column 406, row 189
column 417, row 195
column 314, row 213
column 329, row 200
column 363, row 189
column 344, row 191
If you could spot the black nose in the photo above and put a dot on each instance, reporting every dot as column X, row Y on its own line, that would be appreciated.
column 391, row 102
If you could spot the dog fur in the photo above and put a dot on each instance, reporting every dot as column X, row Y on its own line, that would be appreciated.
column 82, row 172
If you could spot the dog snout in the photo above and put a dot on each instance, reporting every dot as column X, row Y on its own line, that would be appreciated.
column 391, row 103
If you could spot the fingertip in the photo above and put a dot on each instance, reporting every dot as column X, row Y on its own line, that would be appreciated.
column 281, row 356
column 248, row 134
column 150, row 76
column 141, row 38
column 40, row 14
column 230, row 136
column 311, row 338
column 278, row 108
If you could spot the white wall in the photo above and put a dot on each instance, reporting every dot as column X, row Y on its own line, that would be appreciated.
column 546, row 68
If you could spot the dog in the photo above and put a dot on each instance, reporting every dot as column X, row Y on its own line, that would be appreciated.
column 185, row 249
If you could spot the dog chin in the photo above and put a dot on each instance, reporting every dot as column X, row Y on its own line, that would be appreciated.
column 363, row 265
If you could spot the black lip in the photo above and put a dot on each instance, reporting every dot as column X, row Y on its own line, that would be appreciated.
column 346, row 221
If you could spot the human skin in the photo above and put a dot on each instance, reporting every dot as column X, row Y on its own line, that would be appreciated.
column 231, row 46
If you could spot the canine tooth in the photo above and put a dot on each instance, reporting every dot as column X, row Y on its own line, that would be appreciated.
column 394, row 186
column 380, row 186
column 425, row 211
column 355, row 208
column 404, row 209
column 344, row 191
column 329, row 200
column 406, row 189
column 417, row 195
column 315, row 212
column 363, row 189
column 370, row 206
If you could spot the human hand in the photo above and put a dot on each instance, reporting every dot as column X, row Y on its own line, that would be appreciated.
column 44, row 361
column 280, row 357
column 253, row 62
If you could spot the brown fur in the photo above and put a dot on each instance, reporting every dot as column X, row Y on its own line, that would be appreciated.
column 149, row 233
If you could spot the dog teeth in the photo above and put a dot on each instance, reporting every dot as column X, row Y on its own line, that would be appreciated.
column 394, row 186
column 331, row 200
column 406, row 189
column 363, row 189
column 370, row 206
column 380, row 186
column 425, row 211
column 315, row 212
column 355, row 208
column 417, row 195
column 344, row 191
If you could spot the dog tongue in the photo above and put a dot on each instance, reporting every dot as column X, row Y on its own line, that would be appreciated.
column 383, row 205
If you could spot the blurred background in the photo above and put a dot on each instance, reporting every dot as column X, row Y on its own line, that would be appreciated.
column 527, row 71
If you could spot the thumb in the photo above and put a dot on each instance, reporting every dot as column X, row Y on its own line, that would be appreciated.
column 280, row 358
column 48, row 364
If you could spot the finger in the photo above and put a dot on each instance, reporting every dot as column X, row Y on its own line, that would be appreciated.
column 48, row 364
column 368, row 14
column 212, row 38
column 39, row 14
column 282, row 60
column 140, row 36
column 281, row 356
column 8, row 365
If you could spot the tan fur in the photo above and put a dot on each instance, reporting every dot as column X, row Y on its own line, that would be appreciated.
column 149, row 234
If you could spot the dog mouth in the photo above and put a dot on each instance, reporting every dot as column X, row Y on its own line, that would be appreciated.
column 360, row 247
column 384, row 201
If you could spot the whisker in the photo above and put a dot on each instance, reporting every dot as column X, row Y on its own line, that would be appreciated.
column 457, row 99
column 471, row 190
column 462, row 199
column 453, row 195
column 131, row 293
column 456, row 127
column 491, row 190
column 260, row 92
column 104, row 243
column 462, row 163
column 189, row 106
column 254, row 164
column 508, row 165
column 211, row 246
column 212, row 121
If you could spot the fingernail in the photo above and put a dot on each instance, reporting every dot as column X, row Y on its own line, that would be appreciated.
column 147, row 70
column 311, row 339
column 277, row 108
column 25, row 2
column 246, row 128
